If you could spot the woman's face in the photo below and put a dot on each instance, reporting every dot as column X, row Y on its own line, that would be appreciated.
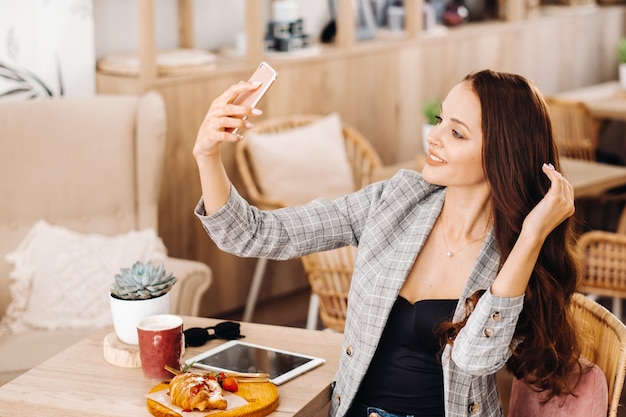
column 455, row 143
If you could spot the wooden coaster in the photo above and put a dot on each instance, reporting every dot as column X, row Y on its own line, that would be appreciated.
column 119, row 353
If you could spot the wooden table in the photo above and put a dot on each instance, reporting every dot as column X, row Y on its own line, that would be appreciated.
column 79, row 382
column 592, row 178
column 605, row 101
column 588, row 178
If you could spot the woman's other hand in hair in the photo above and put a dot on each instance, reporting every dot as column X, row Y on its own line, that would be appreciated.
column 556, row 206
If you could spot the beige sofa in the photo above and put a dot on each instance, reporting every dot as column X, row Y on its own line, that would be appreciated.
column 90, row 166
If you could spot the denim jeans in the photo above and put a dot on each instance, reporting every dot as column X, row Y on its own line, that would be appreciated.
column 360, row 410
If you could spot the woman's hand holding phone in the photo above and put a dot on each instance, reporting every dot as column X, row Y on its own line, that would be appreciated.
column 229, row 111
column 226, row 115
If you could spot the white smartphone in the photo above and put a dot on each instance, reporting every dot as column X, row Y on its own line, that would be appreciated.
column 264, row 73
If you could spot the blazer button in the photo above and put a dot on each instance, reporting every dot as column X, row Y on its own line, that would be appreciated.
column 488, row 331
column 473, row 408
column 337, row 399
column 496, row 316
column 349, row 350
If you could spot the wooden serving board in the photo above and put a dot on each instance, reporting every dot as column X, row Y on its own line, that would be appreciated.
column 262, row 399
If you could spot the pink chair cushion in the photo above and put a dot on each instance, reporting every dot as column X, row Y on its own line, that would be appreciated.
column 591, row 399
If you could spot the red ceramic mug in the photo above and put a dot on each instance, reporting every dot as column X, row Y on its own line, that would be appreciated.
column 160, row 344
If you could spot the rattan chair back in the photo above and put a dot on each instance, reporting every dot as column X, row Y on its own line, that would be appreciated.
column 604, row 259
column 574, row 128
column 329, row 274
column 603, row 341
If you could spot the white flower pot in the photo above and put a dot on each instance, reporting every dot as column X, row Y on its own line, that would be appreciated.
column 622, row 75
column 127, row 314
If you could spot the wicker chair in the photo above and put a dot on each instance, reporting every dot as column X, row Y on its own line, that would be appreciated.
column 329, row 274
column 363, row 159
column 604, row 255
column 603, row 338
column 575, row 130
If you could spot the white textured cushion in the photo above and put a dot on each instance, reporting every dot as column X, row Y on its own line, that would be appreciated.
column 61, row 279
column 298, row 165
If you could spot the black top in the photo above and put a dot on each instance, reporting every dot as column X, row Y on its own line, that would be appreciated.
column 405, row 375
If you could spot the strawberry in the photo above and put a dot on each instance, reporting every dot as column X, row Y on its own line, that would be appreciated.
column 230, row 384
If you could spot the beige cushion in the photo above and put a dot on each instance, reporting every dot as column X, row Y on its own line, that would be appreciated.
column 61, row 279
column 298, row 165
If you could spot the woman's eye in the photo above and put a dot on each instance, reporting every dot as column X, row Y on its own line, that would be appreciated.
column 438, row 119
column 457, row 134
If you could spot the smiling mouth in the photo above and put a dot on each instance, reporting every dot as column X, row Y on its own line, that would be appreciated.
column 435, row 158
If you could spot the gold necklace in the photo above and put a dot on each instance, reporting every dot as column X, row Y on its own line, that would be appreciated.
column 450, row 253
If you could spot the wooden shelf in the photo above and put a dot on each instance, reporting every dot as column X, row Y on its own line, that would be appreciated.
column 345, row 40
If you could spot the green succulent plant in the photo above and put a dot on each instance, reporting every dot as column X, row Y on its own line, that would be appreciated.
column 142, row 282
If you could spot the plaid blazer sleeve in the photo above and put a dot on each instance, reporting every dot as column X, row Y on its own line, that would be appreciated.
column 244, row 230
column 482, row 346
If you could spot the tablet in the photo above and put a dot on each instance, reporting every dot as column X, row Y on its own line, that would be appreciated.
column 237, row 356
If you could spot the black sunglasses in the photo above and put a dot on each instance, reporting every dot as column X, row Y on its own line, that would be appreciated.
column 198, row 336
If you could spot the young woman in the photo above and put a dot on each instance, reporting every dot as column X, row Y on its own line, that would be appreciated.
column 460, row 270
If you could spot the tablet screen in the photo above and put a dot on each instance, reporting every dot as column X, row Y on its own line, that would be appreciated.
column 239, row 356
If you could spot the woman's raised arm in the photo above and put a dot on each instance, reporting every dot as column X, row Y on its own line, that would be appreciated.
column 221, row 119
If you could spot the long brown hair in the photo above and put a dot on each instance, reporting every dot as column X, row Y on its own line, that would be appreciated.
column 517, row 140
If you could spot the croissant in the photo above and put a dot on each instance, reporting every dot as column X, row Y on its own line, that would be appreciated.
column 192, row 391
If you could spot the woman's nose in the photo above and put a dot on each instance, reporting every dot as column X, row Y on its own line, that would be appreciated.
column 432, row 138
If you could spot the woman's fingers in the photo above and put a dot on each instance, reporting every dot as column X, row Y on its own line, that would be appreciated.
column 555, row 206
column 231, row 93
column 223, row 113
column 560, row 189
column 222, row 118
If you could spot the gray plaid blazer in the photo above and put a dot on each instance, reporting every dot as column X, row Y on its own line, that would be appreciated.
column 389, row 221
